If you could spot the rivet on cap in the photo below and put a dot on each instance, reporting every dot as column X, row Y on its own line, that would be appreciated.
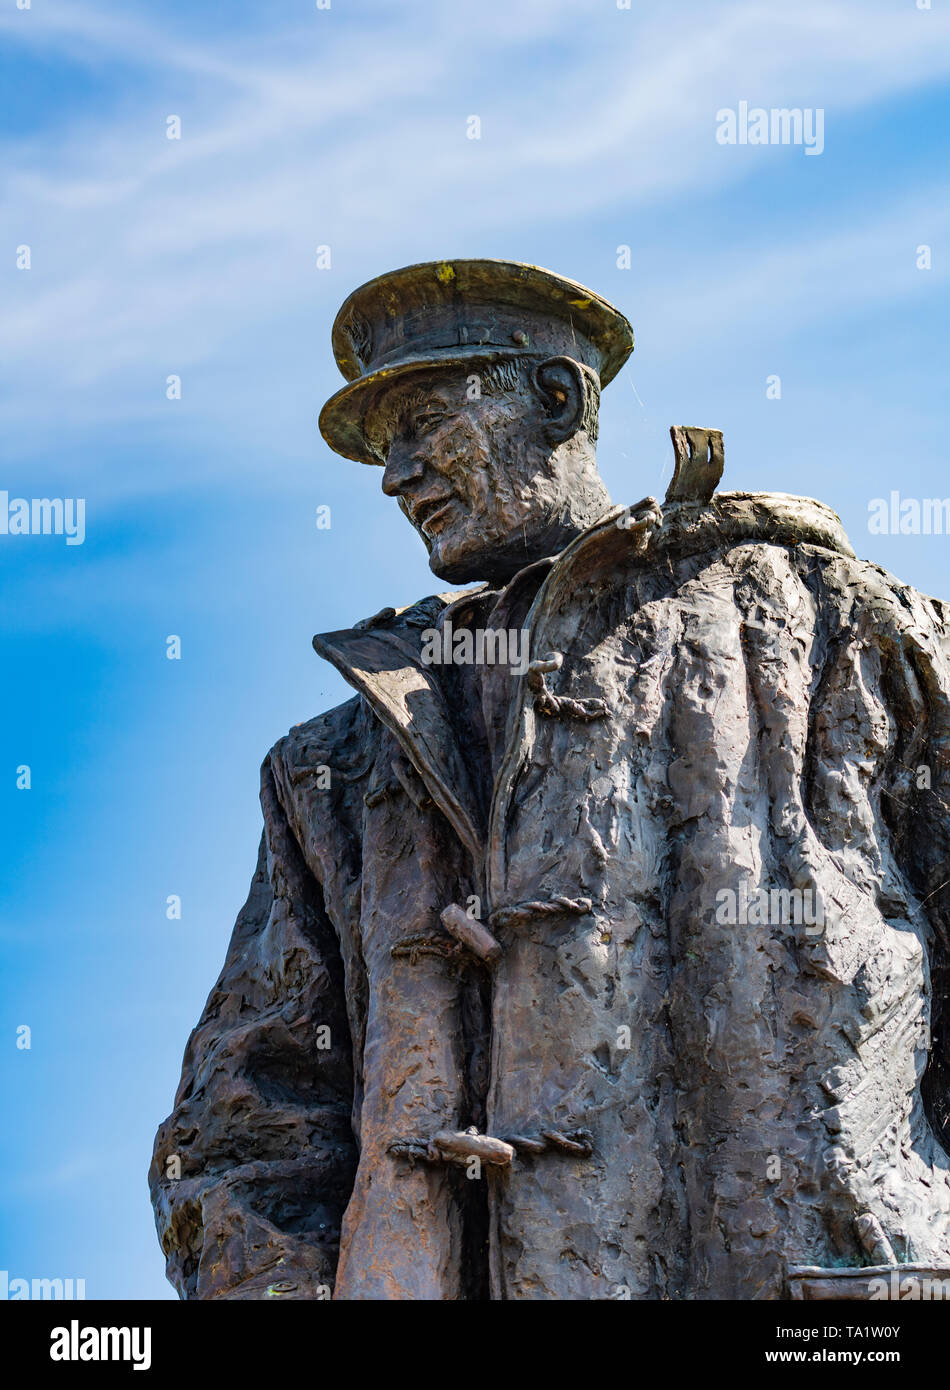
column 520, row 337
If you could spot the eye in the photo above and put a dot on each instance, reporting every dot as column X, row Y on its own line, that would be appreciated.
column 424, row 424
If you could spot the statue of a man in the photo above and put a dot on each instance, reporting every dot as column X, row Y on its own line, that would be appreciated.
column 598, row 947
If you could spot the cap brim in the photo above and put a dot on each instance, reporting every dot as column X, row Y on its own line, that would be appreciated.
column 343, row 418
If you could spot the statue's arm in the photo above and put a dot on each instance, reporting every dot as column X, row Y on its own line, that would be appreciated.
column 927, row 858
column 252, row 1170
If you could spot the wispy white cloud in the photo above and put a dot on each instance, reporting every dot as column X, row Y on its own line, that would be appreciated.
column 827, row 274
column 153, row 256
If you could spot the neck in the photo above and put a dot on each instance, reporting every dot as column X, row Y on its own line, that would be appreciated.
column 584, row 498
column 580, row 501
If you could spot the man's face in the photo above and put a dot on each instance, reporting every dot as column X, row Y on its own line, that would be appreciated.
column 470, row 473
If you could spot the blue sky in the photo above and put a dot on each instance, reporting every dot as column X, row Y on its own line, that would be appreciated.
column 149, row 257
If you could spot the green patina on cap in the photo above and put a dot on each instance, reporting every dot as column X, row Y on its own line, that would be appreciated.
column 460, row 313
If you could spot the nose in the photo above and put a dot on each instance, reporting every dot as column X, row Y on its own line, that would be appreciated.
column 403, row 464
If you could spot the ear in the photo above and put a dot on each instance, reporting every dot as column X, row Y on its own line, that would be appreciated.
column 562, row 387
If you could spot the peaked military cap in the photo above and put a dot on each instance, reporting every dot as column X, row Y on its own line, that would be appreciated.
column 460, row 314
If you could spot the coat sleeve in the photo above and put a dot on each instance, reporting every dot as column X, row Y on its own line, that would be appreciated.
column 253, row 1169
column 925, row 788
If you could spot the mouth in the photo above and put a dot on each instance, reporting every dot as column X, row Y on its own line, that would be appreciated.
column 429, row 513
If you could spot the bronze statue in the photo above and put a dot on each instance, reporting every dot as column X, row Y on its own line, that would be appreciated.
column 597, row 947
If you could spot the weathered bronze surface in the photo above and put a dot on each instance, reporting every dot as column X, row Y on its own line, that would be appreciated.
column 598, row 947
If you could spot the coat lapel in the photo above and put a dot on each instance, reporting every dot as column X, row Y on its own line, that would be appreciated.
column 408, row 698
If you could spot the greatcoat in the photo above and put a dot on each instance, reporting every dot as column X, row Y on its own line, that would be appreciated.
column 701, row 1100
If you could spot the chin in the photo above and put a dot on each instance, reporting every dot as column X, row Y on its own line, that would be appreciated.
column 481, row 555
column 461, row 559
column 493, row 565
column 458, row 568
